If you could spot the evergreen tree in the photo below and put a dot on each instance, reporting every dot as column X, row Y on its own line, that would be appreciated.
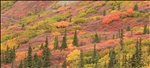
column 145, row 29
column 7, row 54
column 81, row 59
column 12, row 65
column 25, row 63
column 64, row 65
column 96, row 38
column 64, row 41
column 75, row 39
column 113, row 36
column 12, row 54
column 135, row 7
column 29, row 57
column 112, row 60
column 148, row 49
column 128, row 28
column 133, row 61
column 121, row 43
column 95, row 56
column 124, row 61
column 36, row 62
column 20, row 65
column 42, row 47
column 46, row 55
column 22, row 25
column 104, row 13
column 118, row 6
column 56, row 43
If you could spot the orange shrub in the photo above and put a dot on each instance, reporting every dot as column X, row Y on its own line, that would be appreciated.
column 61, row 24
column 20, row 55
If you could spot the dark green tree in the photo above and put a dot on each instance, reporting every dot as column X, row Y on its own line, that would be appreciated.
column 128, row 28
column 81, row 59
column 46, row 55
column 135, row 7
column 20, row 65
column 145, row 29
column 22, row 25
column 113, row 36
column 124, row 61
column 96, row 38
column 29, row 57
column 36, row 61
column 118, row 6
column 12, row 65
column 25, row 63
column 95, row 57
column 104, row 13
column 149, row 49
column 56, row 43
column 7, row 54
column 64, row 65
column 64, row 41
column 112, row 60
column 121, row 43
column 75, row 39
column 42, row 47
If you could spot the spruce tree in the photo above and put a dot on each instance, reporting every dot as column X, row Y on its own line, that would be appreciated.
column 64, row 65
column 113, row 36
column 149, row 49
column 118, row 6
column 20, row 65
column 96, row 38
column 81, row 59
column 25, row 63
column 42, row 47
column 135, row 7
column 95, row 56
column 75, row 39
column 121, row 43
column 46, row 55
column 104, row 13
column 36, row 62
column 112, row 60
column 145, row 29
column 56, row 43
column 124, row 61
column 29, row 57
column 64, row 41
column 128, row 28
column 12, row 65
column 7, row 54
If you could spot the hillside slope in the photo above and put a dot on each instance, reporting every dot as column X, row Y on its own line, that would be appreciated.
column 29, row 22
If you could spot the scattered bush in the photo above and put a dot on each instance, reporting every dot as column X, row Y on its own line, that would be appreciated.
column 80, row 20
column 7, row 37
column 135, row 14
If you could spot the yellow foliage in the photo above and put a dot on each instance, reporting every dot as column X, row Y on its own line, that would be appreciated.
column 73, row 58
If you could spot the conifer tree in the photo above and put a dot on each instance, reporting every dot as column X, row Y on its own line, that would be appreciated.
column 46, row 55
column 148, row 49
column 96, row 38
column 81, row 59
column 25, row 63
column 95, row 56
column 128, row 28
column 42, row 47
column 145, row 29
column 135, row 7
column 121, row 43
column 56, row 43
column 112, row 60
column 75, row 39
column 113, row 36
column 29, row 57
column 20, row 65
column 118, row 6
column 12, row 65
column 36, row 62
column 104, row 13
column 64, row 41
column 124, row 61
column 7, row 54
column 64, row 65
